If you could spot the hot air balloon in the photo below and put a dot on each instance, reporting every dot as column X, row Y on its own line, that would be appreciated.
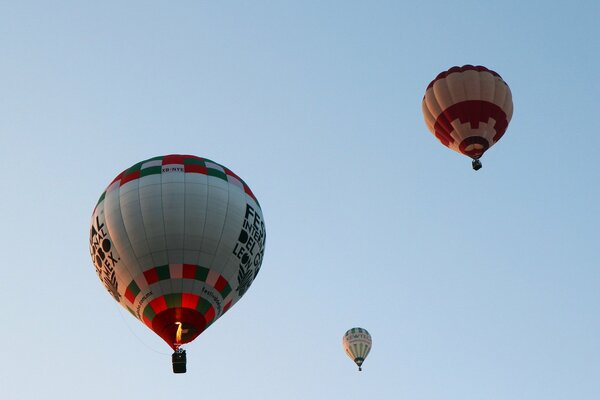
column 357, row 344
column 177, row 240
column 468, row 109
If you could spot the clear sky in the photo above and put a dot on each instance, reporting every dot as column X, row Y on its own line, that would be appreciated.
column 474, row 285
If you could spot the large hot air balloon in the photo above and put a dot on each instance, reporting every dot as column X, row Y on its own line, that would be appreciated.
column 357, row 345
column 468, row 109
column 177, row 240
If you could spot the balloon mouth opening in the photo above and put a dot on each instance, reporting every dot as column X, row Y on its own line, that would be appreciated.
column 359, row 361
column 474, row 147
column 178, row 326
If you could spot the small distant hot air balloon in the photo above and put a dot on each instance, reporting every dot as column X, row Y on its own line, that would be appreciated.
column 177, row 240
column 468, row 109
column 357, row 345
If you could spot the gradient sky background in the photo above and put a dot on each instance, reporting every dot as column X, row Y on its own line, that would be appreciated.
column 474, row 285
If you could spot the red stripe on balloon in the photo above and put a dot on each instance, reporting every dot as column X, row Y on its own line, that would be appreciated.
column 147, row 321
column 118, row 177
column 210, row 314
column 159, row 304
column 129, row 295
column 464, row 68
column 189, row 300
column 173, row 159
column 189, row 271
column 246, row 188
column 131, row 177
column 473, row 112
column 151, row 276
column 220, row 284
column 249, row 192
column 231, row 173
column 195, row 168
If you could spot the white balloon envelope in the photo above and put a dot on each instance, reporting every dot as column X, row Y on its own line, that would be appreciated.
column 357, row 344
column 177, row 240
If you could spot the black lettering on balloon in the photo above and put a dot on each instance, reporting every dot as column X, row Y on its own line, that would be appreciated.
column 104, row 259
column 243, row 238
column 106, row 245
column 250, row 248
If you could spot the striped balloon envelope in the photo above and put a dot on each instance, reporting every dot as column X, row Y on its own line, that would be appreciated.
column 357, row 345
column 468, row 109
column 177, row 240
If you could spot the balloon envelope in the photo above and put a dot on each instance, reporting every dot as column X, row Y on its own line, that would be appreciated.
column 357, row 345
column 177, row 240
column 468, row 109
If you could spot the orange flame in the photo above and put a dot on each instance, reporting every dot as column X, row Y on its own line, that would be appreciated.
column 179, row 332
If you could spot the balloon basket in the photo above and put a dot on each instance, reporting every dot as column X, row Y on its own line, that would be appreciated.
column 476, row 165
column 179, row 360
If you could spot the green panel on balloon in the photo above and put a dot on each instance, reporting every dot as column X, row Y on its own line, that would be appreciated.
column 203, row 306
column 193, row 161
column 201, row 273
column 217, row 174
column 149, row 312
column 134, row 168
column 173, row 300
column 226, row 290
column 151, row 171
column 163, row 272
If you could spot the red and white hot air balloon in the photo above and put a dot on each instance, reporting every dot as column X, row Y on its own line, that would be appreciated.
column 468, row 109
column 177, row 240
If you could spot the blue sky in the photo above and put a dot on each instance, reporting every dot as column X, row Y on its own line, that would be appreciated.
column 473, row 285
